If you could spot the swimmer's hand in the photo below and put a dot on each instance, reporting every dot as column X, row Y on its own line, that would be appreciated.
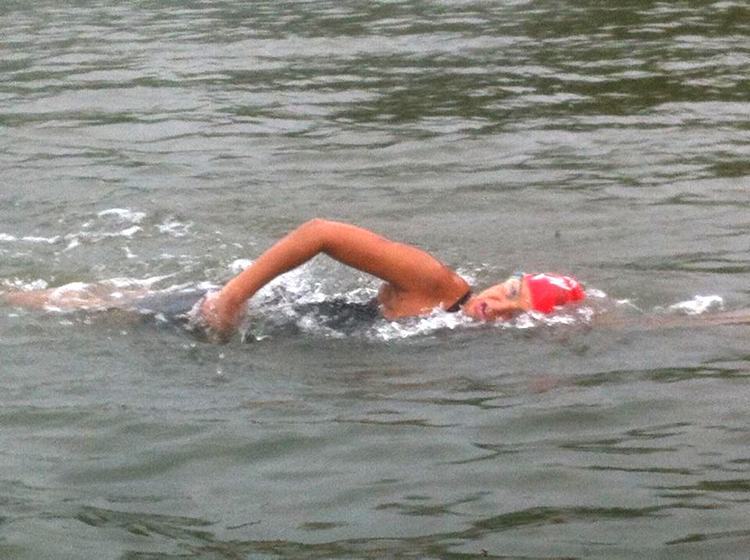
column 218, row 317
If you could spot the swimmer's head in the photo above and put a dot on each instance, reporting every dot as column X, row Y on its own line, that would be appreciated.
column 524, row 292
column 549, row 291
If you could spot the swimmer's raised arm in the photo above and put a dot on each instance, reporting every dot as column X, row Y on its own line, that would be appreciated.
column 416, row 280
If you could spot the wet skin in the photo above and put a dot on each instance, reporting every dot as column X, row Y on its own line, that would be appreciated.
column 501, row 301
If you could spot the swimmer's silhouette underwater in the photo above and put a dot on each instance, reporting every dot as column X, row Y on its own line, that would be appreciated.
column 415, row 283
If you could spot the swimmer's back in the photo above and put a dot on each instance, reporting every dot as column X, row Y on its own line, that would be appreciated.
column 171, row 306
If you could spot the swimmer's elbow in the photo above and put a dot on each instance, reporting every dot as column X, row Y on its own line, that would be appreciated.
column 318, row 231
column 316, row 224
column 340, row 240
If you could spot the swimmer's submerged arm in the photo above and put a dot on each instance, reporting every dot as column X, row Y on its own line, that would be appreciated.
column 69, row 297
column 33, row 299
column 59, row 298
column 406, row 268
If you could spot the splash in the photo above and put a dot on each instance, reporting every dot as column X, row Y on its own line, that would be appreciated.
column 148, row 282
column 109, row 224
column 318, row 299
column 699, row 305
column 427, row 325
column 123, row 214
column 25, row 286
column 7, row 238
column 299, row 302
column 174, row 228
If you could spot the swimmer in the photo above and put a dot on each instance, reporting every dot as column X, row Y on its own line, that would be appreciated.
column 415, row 282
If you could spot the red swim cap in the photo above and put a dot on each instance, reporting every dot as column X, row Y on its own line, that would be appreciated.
column 551, row 290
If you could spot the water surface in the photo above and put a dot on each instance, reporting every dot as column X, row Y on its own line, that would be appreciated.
column 161, row 143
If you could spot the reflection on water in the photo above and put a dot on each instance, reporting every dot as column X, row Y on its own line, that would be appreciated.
column 164, row 144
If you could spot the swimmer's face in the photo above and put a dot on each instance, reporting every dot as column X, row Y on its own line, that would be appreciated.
column 500, row 301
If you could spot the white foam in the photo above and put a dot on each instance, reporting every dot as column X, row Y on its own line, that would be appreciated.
column 74, row 239
column 174, row 228
column 124, row 282
column 295, row 286
column 239, row 265
column 128, row 232
column 29, row 239
column 124, row 214
column 205, row 285
column 525, row 321
column 18, row 284
column 48, row 240
column 420, row 326
column 71, row 287
column 72, row 243
column 595, row 293
column 311, row 325
column 38, row 284
column 699, row 304
column 559, row 319
column 586, row 313
column 627, row 303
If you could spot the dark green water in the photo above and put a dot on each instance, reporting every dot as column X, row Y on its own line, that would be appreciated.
column 172, row 139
